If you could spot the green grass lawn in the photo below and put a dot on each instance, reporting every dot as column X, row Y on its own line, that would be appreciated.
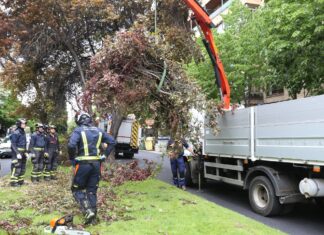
column 147, row 207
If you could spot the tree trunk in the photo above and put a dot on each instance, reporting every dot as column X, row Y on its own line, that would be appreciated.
column 77, row 61
column 83, row 78
column 294, row 96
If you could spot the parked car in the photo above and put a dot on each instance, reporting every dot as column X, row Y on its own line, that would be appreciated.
column 5, row 150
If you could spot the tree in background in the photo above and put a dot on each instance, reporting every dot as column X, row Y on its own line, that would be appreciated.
column 47, row 44
column 47, row 49
column 295, row 44
column 240, row 49
column 8, row 108
column 275, row 45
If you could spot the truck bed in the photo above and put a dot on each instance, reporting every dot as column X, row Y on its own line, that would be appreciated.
column 289, row 131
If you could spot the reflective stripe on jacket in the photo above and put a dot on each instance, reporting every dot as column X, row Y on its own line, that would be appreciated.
column 87, row 140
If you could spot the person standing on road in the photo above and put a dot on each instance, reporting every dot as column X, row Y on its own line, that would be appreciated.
column 52, row 151
column 19, row 154
column 84, row 153
column 36, row 149
column 175, row 151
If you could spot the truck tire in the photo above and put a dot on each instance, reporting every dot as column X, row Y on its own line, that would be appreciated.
column 263, row 199
column 188, row 178
column 128, row 155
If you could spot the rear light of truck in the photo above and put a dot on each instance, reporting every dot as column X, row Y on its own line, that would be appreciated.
column 316, row 169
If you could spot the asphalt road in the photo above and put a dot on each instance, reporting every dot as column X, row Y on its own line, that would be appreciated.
column 306, row 219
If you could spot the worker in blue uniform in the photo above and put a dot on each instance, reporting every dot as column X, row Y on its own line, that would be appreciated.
column 19, row 153
column 52, row 152
column 84, row 151
column 175, row 150
column 36, row 149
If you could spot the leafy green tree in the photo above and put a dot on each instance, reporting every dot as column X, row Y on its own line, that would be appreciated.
column 47, row 46
column 240, row 49
column 295, row 42
column 279, row 44
column 8, row 108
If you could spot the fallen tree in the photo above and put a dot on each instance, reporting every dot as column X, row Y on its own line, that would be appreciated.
column 133, row 74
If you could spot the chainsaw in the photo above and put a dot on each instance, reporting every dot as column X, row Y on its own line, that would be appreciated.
column 64, row 226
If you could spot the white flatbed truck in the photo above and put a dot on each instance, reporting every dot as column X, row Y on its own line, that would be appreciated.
column 275, row 151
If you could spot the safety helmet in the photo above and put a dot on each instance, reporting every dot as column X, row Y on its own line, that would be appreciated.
column 82, row 118
column 51, row 127
column 39, row 125
column 46, row 128
column 21, row 121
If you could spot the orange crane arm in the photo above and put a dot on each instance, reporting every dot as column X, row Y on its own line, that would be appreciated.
column 205, row 23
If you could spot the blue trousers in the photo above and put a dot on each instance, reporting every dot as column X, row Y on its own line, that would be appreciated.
column 85, row 185
column 178, row 165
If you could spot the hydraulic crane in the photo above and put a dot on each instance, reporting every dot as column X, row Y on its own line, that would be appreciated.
column 201, row 17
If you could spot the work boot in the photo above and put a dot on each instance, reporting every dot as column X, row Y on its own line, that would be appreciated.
column 14, row 184
column 53, row 177
column 89, row 217
column 183, row 187
column 95, row 221
column 47, row 178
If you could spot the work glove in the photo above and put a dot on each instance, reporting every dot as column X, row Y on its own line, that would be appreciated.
column 46, row 155
column 19, row 156
column 60, row 152
column 104, row 146
column 102, row 158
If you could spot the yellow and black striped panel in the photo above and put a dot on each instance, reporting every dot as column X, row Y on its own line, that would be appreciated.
column 134, row 137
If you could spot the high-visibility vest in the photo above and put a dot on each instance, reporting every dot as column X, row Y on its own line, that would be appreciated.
column 86, row 156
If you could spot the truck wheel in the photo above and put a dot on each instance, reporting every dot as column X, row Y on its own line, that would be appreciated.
column 128, row 155
column 188, row 178
column 263, row 199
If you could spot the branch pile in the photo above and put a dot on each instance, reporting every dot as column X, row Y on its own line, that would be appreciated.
column 133, row 74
